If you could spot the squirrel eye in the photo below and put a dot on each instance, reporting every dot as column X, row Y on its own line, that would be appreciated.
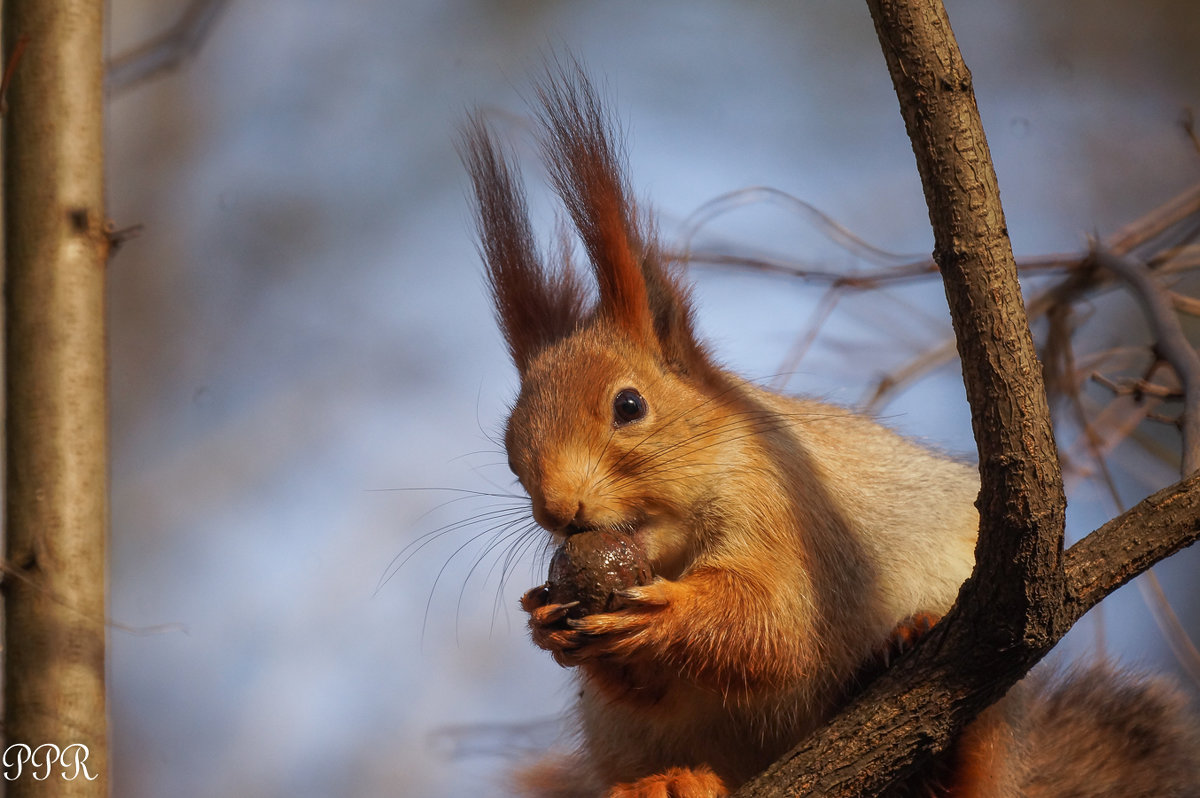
column 628, row 407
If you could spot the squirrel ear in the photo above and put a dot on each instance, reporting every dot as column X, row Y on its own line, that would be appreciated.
column 585, row 168
column 535, row 306
column 671, row 308
column 636, row 289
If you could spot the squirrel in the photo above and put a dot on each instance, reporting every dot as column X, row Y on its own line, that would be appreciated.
column 792, row 544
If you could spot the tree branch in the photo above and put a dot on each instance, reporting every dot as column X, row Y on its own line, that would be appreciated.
column 1170, row 341
column 888, row 730
column 1157, row 527
column 1025, row 593
column 168, row 50
column 968, row 660
column 56, row 478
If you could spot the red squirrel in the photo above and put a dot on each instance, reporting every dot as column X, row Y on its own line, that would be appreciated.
column 790, row 543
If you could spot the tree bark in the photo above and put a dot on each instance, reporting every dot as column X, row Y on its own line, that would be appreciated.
column 1020, row 599
column 1021, row 501
column 56, row 482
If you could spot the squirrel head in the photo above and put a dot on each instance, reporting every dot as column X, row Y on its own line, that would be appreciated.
column 619, row 405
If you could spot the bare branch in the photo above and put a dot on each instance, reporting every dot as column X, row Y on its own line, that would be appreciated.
column 1185, row 304
column 1156, row 222
column 909, row 373
column 168, row 50
column 800, row 348
column 1170, row 342
column 1137, row 388
column 1177, row 638
column 1187, row 121
column 837, row 232
column 1129, row 544
column 1019, row 540
column 56, row 478
column 1170, row 215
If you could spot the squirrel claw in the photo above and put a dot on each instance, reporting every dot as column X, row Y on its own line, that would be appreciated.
column 550, row 614
column 651, row 595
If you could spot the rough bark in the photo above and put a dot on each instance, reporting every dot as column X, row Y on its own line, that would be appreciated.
column 1021, row 499
column 1129, row 544
column 1020, row 599
column 56, row 475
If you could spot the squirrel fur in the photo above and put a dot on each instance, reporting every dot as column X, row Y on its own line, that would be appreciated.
column 790, row 540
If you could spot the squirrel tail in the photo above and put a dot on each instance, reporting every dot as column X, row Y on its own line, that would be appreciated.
column 1093, row 732
column 1098, row 732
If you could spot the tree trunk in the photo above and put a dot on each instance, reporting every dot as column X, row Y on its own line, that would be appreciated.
column 56, row 426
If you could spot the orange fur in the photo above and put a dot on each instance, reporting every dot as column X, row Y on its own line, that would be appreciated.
column 795, row 546
column 673, row 782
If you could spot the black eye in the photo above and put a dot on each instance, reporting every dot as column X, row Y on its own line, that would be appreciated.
column 628, row 407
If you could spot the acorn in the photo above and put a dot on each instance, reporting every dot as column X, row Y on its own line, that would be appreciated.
column 590, row 567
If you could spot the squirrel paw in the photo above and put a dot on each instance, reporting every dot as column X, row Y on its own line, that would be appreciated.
column 906, row 636
column 573, row 641
column 674, row 783
column 621, row 632
column 902, row 639
column 547, row 623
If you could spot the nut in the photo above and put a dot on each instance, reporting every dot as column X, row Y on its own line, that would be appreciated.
column 591, row 567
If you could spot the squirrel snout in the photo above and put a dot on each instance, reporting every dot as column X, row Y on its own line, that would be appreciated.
column 562, row 515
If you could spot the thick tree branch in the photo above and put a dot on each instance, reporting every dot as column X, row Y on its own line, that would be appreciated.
column 969, row 660
column 1021, row 495
column 56, row 491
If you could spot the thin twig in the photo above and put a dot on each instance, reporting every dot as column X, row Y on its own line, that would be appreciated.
column 1156, row 222
column 168, row 50
column 1188, row 122
column 768, row 263
column 1184, row 303
column 1173, row 346
column 1177, row 638
column 800, row 349
column 1080, row 278
column 862, row 280
column 1170, row 342
column 835, row 231
column 909, row 373
column 1137, row 388
column 9, row 68
column 1133, row 235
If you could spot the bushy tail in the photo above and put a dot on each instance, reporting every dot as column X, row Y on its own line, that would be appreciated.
column 1098, row 733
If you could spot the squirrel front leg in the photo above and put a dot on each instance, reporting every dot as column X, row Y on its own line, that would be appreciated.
column 716, row 627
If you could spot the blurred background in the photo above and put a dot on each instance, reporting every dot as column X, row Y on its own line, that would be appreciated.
column 305, row 368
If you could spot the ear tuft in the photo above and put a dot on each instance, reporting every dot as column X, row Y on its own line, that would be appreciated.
column 535, row 306
column 585, row 167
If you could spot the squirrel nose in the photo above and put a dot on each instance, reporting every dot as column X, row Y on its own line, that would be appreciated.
column 566, row 516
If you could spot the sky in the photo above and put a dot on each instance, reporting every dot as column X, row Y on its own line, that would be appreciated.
column 305, row 373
